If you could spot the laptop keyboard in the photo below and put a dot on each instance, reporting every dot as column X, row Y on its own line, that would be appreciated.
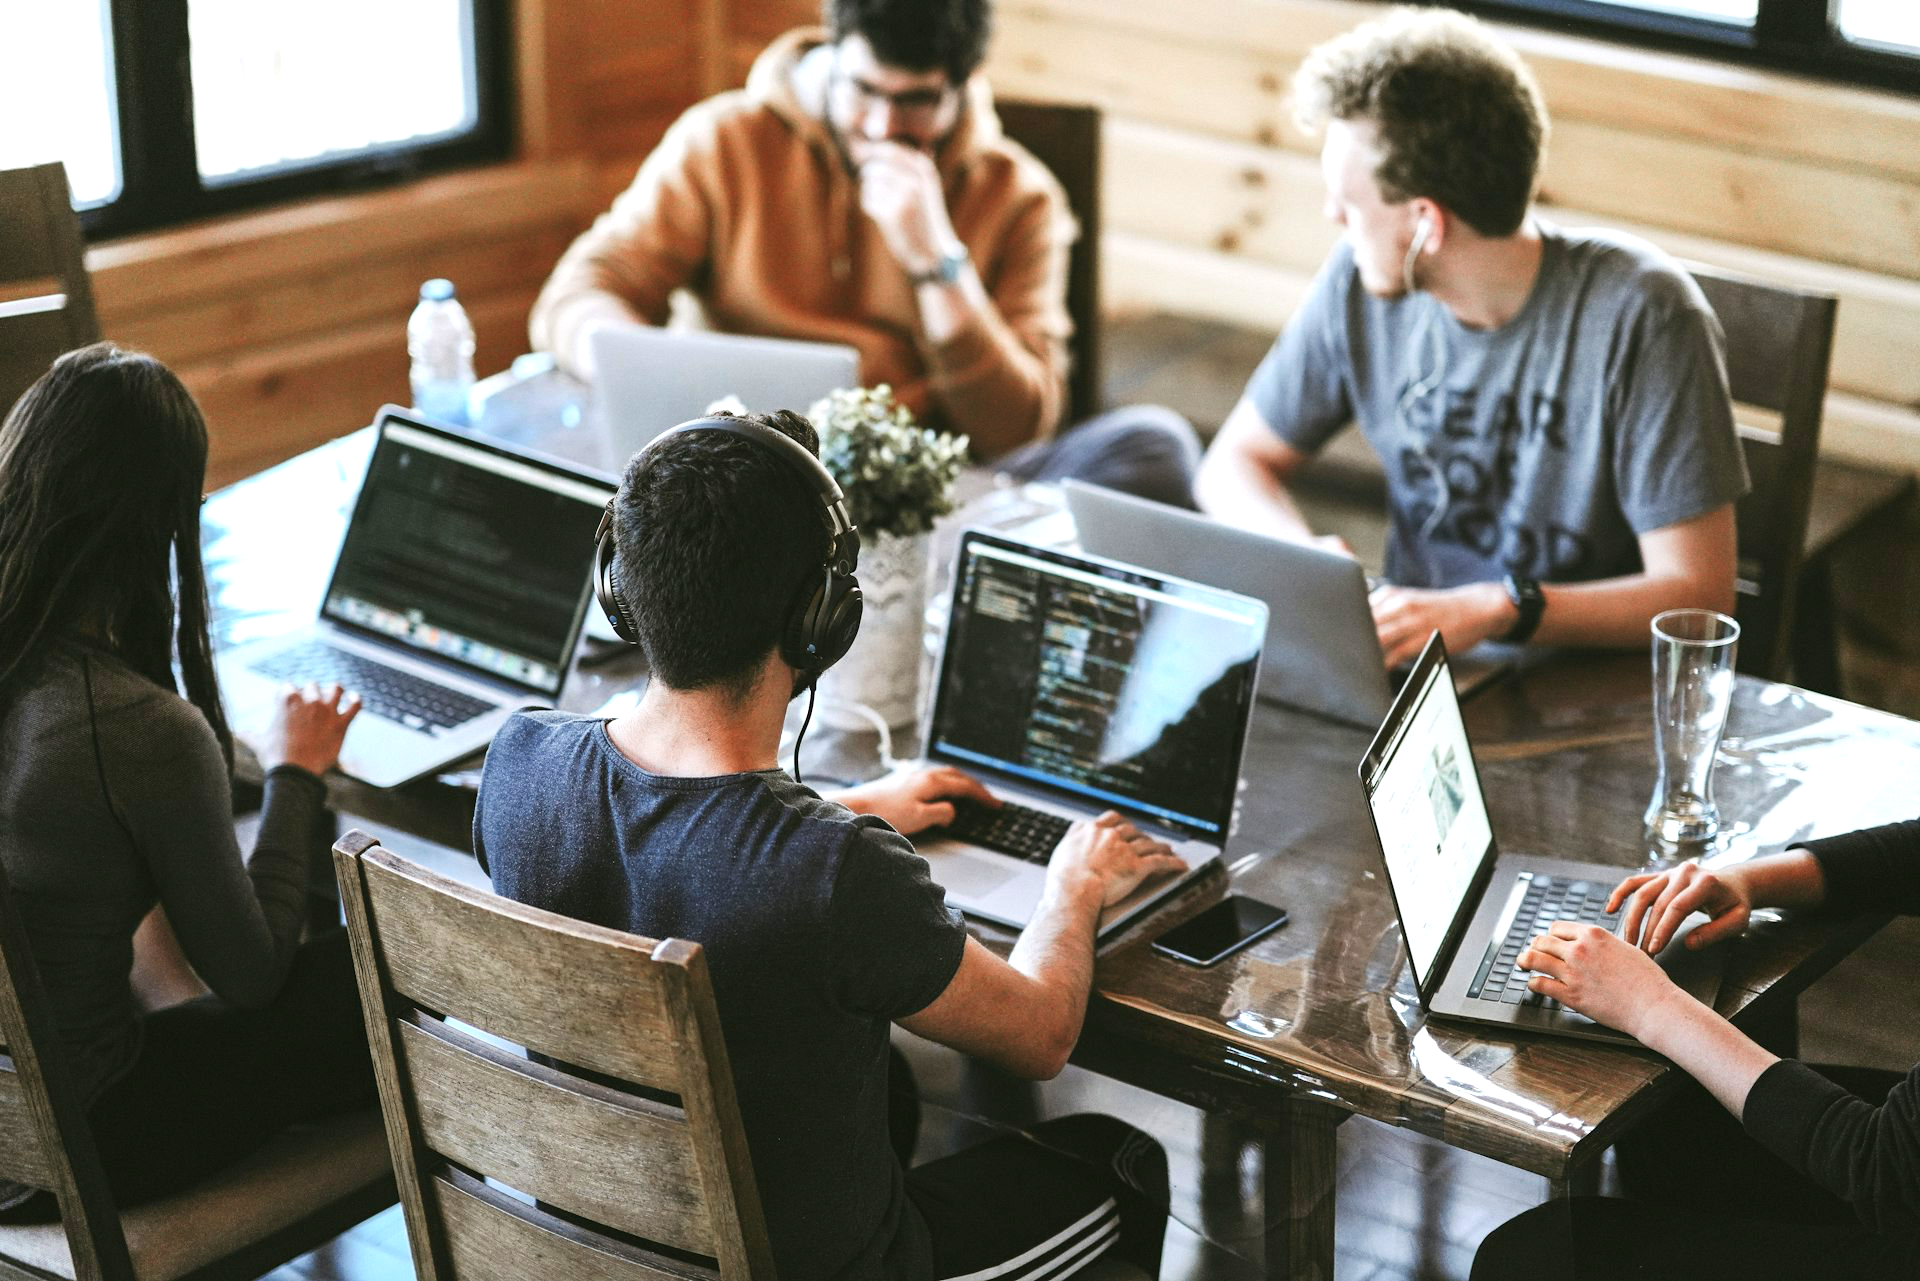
column 1018, row 830
column 1548, row 899
column 399, row 696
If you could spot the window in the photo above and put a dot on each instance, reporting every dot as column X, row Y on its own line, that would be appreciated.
column 1868, row 41
column 167, row 112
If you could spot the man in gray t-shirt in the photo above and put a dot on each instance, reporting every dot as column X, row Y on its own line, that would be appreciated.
column 1550, row 406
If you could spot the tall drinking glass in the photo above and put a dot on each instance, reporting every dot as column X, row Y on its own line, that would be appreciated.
column 1692, row 688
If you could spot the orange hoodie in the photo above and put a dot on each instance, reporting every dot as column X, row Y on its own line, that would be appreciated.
column 748, row 203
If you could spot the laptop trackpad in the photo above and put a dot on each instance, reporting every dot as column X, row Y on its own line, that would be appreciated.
column 972, row 879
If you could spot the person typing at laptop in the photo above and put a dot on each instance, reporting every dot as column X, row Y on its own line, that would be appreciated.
column 822, row 928
column 1550, row 405
column 859, row 190
column 116, row 806
column 1785, row 1171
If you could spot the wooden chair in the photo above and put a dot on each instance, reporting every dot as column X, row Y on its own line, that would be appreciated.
column 300, row 1192
column 46, row 300
column 616, row 1153
column 1065, row 137
column 1779, row 342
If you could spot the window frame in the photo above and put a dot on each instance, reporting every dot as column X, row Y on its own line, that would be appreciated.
column 160, row 184
column 1801, row 36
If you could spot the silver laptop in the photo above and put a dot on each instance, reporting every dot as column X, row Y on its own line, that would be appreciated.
column 457, row 598
column 1322, row 652
column 1072, row 686
column 649, row 379
column 1467, row 910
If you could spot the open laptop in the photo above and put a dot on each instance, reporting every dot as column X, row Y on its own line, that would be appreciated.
column 1073, row 686
column 649, row 379
column 1322, row 652
column 1467, row 910
column 457, row 598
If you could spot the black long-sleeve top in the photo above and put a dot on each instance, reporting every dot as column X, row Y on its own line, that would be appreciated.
column 1869, row 1156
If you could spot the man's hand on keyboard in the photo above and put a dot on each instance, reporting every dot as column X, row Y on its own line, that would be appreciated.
column 1111, row 855
column 308, row 726
column 913, row 800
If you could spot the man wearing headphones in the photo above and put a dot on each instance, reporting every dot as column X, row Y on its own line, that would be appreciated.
column 1550, row 406
column 729, row 559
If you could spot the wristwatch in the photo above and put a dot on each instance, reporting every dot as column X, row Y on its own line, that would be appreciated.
column 1527, row 597
column 946, row 269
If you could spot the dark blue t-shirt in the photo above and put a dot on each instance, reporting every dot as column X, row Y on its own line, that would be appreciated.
column 820, row 929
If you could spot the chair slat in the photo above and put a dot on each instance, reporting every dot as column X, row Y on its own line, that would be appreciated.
column 490, row 1237
column 22, row 1153
column 628, row 1164
column 576, row 992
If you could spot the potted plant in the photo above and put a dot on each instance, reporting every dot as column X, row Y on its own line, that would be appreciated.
column 897, row 477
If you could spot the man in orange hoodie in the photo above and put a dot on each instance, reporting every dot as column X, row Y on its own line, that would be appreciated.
column 859, row 190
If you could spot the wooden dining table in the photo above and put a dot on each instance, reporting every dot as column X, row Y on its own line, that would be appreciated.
column 1320, row 1020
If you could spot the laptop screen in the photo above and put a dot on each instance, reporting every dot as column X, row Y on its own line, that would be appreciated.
column 470, row 554
column 1428, row 809
column 1118, row 687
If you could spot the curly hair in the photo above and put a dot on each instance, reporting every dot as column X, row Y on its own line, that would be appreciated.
column 1460, row 117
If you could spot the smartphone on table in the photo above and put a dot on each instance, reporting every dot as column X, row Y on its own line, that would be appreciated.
column 1223, row 929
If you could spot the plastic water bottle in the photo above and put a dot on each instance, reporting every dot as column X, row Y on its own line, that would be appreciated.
column 440, row 342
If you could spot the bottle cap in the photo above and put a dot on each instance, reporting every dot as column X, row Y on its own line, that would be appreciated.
column 436, row 290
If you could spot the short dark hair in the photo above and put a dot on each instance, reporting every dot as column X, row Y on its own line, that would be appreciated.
column 918, row 35
column 718, row 536
column 1460, row 116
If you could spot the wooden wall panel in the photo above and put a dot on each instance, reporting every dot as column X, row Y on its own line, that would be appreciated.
column 1213, row 197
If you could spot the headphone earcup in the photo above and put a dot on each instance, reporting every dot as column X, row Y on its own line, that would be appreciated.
column 822, row 623
column 606, row 582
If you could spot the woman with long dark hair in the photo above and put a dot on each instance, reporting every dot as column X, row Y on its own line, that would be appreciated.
column 115, row 794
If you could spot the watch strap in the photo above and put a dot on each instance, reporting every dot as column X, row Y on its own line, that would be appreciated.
column 1531, row 603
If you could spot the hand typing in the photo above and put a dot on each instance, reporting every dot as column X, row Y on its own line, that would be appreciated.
column 1110, row 856
column 308, row 727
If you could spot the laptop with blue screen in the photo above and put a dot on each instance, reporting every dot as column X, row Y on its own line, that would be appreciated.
column 1072, row 685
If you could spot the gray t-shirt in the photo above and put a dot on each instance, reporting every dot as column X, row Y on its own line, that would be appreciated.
column 820, row 930
column 1542, row 448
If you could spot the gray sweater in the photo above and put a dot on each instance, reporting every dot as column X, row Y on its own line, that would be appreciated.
column 113, row 797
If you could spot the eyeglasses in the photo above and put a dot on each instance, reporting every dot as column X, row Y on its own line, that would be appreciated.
column 920, row 106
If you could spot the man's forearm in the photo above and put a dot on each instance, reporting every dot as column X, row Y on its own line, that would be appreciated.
column 988, row 384
column 1249, row 497
column 1619, row 611
column 1056, row 952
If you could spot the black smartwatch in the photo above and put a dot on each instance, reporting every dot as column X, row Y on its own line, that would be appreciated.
column 1527, row 597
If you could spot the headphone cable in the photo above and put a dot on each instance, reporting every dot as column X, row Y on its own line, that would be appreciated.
column 813, row 687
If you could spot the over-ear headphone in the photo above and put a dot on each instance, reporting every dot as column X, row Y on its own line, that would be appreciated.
column 824, row 616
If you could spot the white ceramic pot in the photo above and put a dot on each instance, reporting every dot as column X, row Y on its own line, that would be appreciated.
column 882, row 670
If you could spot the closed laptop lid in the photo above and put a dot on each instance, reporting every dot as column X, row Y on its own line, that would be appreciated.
column 1108, row 685
column 1436, row 839
column 1322, row 653
column 470, row 552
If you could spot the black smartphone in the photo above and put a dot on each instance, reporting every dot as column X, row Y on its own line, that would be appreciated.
column 1221, row 930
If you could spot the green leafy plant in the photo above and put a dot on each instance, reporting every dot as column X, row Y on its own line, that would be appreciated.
column 897, row 475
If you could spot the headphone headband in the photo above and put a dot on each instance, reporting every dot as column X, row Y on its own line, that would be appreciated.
column 843, row 539
column 825, row 616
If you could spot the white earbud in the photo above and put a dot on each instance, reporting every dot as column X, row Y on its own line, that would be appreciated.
column 1421, row 232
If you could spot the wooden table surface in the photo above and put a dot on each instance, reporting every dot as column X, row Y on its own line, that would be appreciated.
column 1320, row 1019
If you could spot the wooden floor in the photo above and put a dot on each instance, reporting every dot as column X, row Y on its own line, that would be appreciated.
column 1409, row 1208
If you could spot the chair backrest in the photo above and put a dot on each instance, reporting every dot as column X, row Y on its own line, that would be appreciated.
column 1065, row 137
column 46, row 299
column 616, row 1131
column 44, row 1136
column 1779, row 343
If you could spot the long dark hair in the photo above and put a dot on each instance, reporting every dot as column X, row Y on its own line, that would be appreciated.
column 101, row 464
